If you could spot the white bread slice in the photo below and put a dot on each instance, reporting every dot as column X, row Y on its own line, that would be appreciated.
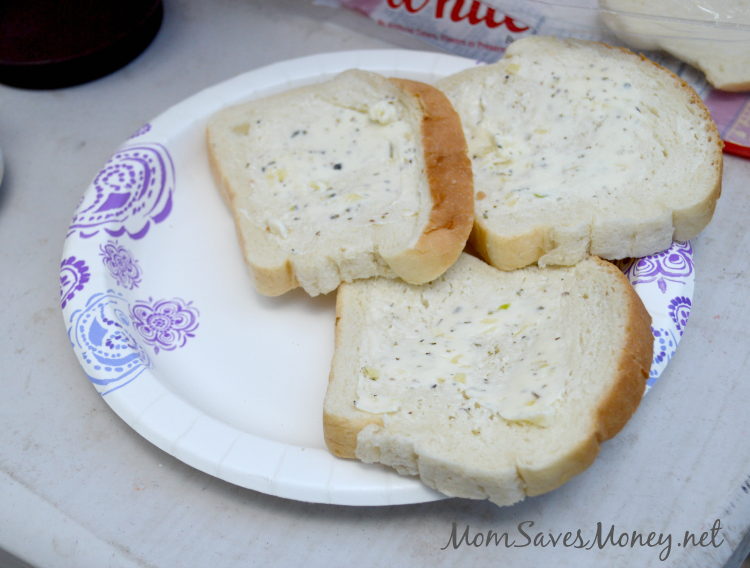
column 578, row 148
column 685, row 30
column 360, row 176
column 569, row 348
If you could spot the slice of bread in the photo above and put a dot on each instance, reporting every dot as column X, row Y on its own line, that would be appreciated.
column 487, row 384
column 579, row 148
column 688, row 31
column 357, row 177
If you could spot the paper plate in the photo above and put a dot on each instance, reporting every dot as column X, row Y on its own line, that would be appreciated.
column 164, row 321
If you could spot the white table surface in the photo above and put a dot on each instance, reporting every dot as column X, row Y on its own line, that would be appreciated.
column 79, row 488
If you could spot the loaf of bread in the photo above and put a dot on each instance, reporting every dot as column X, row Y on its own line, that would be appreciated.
column 578, row 148
column 357, row 177
column 487, row 384
column 687, row 30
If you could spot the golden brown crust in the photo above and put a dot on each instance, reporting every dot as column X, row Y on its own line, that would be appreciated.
column 448, row 171
column 340, row 433
column 690, row 221
column 509, row 253
column 734, row 87
column 577, row 460
column 634, row 364
column 618, row 405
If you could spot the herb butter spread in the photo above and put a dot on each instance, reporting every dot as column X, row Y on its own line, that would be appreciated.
column 578, row 148
column 506, row 352
column 468, row 421
column 351, row 178
column 329, row 166
column 560, row 136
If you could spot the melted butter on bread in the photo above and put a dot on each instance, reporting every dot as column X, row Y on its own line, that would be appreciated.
column 511, row 358
column 342, row 166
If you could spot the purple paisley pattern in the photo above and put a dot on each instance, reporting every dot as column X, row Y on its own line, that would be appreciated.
column 165, row 324
column 141, row 131
column 132, row 192
column 73, row 276
column 121, row 265
column 672, row 265
column 679, row 311
column 664, row 282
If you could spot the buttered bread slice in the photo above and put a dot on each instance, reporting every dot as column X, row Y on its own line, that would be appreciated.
column 487, row 384
column 357, row 177
column 578, row 148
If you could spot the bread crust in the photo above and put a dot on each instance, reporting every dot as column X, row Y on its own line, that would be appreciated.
column 268, row 280
column 616, row 406
column 340, row 432
column 690, row 221
column 509, row 252
column 450, row 181
column 739, row 87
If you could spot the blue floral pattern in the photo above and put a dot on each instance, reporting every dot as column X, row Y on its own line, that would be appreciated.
column 101, row 332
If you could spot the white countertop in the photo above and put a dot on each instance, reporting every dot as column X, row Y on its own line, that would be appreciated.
column 79, row 488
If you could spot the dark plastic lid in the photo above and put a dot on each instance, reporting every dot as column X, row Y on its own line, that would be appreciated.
column 48, row 44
